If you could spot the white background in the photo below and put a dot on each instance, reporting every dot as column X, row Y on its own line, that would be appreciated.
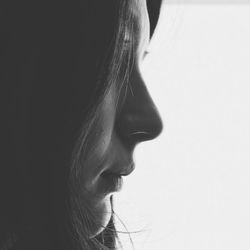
column 191, row 186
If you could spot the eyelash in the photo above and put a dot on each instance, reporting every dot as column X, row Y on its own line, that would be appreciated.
column 146, row 52
column 128, row 44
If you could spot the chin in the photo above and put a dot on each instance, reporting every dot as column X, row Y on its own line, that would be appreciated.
column 103, row 213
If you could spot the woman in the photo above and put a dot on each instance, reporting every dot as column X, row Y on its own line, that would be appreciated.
column 76, row 106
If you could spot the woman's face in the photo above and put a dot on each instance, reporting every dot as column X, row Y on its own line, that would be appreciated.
column 116, row 134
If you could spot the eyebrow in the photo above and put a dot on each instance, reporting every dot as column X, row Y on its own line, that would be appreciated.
column 137, row 27
column 136, row 21
column 135, row 18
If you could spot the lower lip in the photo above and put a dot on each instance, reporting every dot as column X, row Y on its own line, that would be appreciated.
column 112, row 183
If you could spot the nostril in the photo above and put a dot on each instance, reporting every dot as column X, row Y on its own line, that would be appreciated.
column 140, row 133
column 140, row 136
column 134, row 129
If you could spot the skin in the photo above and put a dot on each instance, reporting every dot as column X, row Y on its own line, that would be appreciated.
column 116, row 135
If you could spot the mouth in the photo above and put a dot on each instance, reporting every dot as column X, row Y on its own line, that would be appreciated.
column 124, row 171
column 113, row 180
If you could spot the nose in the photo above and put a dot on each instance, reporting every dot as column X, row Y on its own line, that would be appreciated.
column 138, row 119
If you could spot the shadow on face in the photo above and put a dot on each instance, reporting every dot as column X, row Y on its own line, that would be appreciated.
column 52, row 56
column 115, row 135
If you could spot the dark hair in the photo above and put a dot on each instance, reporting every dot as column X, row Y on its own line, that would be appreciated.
column 57, row 62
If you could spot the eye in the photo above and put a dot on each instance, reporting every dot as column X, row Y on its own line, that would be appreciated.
column 146, row 52
column 128, row 40
column 127, row 43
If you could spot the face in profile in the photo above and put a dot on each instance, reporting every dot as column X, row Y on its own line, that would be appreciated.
column 115, row 135
column 72, row 117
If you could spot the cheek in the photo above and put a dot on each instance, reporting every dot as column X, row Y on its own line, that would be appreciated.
column 100, row 140
column 92, row 167
column 105, row 125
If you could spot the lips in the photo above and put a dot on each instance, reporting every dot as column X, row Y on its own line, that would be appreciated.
column 112, row 182
column 121, row 171
column 112, row 178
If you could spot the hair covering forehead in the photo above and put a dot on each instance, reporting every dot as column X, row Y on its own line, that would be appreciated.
column 154, row 7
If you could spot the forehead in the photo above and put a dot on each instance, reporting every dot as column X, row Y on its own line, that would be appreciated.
column 139, row 13
column 138, row 10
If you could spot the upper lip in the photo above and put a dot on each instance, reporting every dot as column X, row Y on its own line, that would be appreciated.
column 124, row 171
